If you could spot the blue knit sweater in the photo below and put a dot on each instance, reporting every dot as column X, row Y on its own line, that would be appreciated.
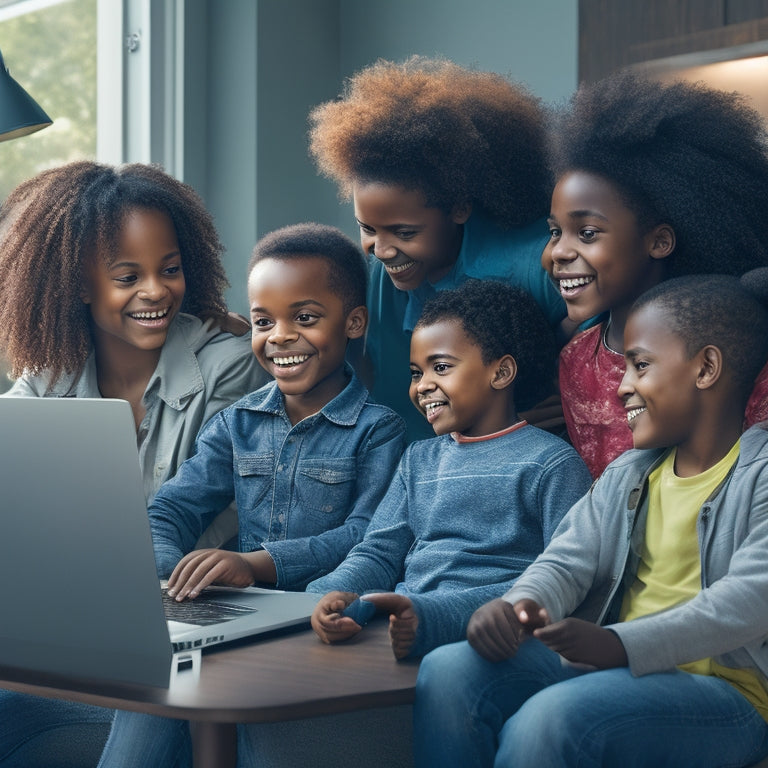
column 459, row 523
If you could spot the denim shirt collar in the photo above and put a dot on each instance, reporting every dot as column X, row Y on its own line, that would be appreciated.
column 343, row 410
column 177, row 376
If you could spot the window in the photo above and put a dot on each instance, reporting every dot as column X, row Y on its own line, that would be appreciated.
column 49, row 47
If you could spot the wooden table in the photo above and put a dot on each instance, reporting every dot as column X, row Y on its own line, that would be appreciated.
column 288, row 677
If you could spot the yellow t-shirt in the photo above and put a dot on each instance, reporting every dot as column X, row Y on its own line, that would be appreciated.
column 670, row 566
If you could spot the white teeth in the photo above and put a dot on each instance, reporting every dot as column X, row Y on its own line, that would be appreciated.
column 399, row 268
column 575, row 282
column 291, row 360
column 437, row 404
column 634, row 413
column 150, row 315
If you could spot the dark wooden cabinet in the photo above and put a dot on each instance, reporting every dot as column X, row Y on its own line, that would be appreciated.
column 617, row 33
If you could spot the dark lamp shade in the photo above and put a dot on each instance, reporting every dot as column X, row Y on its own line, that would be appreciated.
column 20, row 114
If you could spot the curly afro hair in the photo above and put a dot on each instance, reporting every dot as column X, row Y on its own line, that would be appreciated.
column 457, row 135
column 722, row 310
column 347, row 267
column 502, row 320
column 54, row 223
column 679, row 153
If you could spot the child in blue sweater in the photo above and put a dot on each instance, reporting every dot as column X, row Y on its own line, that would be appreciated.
column 468, row 510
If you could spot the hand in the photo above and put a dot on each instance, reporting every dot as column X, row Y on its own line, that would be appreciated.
column 403, row 620
column 583, row 642
column 497, row 628
column 203, row 567
column 327, row 621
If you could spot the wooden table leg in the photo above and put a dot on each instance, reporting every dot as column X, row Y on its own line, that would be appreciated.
column 214, row 745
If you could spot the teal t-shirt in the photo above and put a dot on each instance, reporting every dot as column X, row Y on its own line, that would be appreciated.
column 512, row 256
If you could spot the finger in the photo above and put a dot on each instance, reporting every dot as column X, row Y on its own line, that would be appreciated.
column 389, row 602
column 208, row 569
column 183, row 570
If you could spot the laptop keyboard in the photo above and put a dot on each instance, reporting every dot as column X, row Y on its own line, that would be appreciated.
column 203, row 610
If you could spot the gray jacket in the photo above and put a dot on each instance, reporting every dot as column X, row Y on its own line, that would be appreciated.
column 594, row 555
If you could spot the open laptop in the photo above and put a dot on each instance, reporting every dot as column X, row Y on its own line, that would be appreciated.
column 80, row 594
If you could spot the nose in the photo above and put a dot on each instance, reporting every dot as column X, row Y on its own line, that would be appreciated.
column 153, row 289
column 626, row 385
column 561, row 251
column 379, row 245
column 282, row 333
column 424, row 384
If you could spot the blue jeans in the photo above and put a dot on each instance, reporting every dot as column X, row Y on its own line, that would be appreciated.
column 35, row 731
column 534, row 710
column 147, row 740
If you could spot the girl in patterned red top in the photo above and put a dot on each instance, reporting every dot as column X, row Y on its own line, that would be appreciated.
column 653, row 181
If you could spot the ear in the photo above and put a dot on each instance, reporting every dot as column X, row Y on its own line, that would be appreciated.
column 461, row 212
column 85, row 294
column 710, row 361
column 504, row 372
column 662, row 241
column 357, row 321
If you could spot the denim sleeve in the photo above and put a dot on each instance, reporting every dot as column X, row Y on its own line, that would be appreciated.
column 301, row 560
column 186, row 504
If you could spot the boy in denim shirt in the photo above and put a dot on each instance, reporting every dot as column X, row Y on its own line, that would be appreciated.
column 468, row 510
column 307, row 457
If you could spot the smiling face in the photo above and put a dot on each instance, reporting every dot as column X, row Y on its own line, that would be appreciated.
column 413, row 241
column 300, row 330
column 134, row 297
column 452, row 386
column 597, row 255
column 660, row 388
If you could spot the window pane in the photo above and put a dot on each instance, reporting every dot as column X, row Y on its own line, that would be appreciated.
column 49, row 48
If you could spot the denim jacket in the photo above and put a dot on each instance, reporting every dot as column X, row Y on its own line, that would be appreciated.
column 305, row 493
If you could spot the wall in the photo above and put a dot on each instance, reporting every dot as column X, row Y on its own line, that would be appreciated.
column 255, row 174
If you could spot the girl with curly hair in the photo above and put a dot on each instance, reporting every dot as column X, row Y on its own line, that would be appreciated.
column 106, row 275
column 447, row 172
column 652, row 181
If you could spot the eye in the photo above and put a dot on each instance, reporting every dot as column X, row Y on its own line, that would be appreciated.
column 640, row 365
column 173, row 269
column 406, row 234
column 365, row 228
column 554, row 233
column 262, row 323
column 415, row 374
column 588, row 235
column 126, row 279
column 441, row 367
column 306, row 318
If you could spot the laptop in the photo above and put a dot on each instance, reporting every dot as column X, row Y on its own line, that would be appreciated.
column 80, row 594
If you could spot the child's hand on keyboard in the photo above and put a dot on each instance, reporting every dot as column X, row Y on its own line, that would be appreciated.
column 204, row 567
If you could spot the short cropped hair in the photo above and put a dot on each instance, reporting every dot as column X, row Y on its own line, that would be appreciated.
column 679, row 153
column 457, row 135
column 502, row 320
column 724, row 311
column 347, row 268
